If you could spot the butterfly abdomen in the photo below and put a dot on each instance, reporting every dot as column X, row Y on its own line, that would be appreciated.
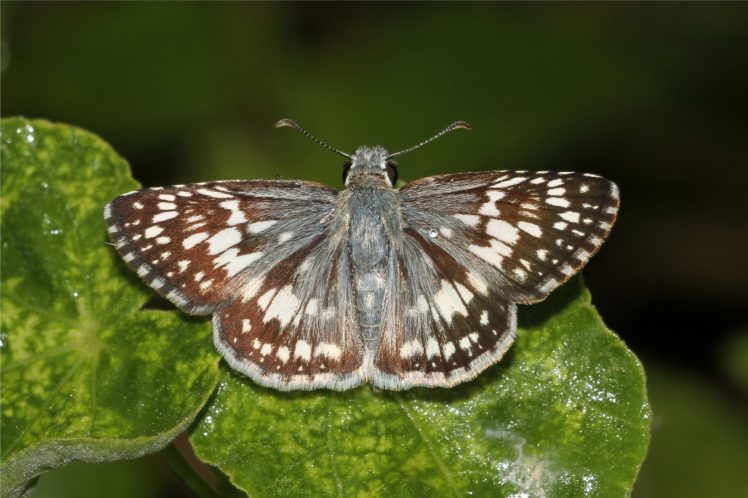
column 369, row 250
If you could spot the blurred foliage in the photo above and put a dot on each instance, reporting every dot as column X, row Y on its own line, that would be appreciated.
column 699, row 444
column 734, row 358
column 126, row 479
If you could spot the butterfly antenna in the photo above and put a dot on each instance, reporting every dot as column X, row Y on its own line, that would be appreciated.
column 464, row 125
column 290, row 123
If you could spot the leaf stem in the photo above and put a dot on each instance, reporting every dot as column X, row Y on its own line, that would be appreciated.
column 187, row 473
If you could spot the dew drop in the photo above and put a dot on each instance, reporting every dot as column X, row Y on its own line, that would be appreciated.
column 29, row 134
column 433, row 233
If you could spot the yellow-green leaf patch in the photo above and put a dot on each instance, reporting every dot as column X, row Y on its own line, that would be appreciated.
column 86, row 374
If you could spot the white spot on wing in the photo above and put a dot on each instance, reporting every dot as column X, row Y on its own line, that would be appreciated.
column 251, row 288
column 530, row 228
column 489, row 208
column 223, row 240
column 494, row 254
column 213, row 193
column 465, row 344
column 194, row 239
column 166, row 215
column 465, row 294
column 283, row 307
column 283, row 354
column 303, row 350
column 512, row 181
column 503, row 231
column 153, row 231
column 468, row 219
column 411, row 348
column 449, row 350
column 328, row 350
column 448, row 302
column 264, row 300
column 432, row 348
column 570, row 216
column 311, row 307
column 557, row 201
column 478, row 282
column 261, row 226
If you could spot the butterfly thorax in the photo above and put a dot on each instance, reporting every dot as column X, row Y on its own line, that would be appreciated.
column 368, row 163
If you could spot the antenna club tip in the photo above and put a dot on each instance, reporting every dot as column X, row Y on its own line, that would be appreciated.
column 285, row 123
column 462, row 125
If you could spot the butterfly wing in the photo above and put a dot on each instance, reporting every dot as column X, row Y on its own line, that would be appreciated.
column 190, row 242
column 526, row 232
column 473, row 245
column 259, row 256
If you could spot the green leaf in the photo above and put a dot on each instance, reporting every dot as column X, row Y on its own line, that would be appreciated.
column 699, row 438
column 85, row 374
column 565, row 414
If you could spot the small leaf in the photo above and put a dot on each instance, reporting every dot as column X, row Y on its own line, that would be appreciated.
column 85, row 374
column 565, row 414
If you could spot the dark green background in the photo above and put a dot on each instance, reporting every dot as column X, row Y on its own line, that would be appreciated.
column 652, row 96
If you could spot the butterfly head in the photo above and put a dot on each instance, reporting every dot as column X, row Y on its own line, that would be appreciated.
column 370, row 163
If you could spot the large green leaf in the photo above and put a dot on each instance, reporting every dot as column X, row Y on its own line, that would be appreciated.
column 85, row 374
column 565, row 414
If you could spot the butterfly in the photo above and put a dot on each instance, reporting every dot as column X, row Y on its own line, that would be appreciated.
column 311, row 288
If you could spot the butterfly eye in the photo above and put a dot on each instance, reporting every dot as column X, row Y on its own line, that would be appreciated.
column 346, row 169
column 392, row 172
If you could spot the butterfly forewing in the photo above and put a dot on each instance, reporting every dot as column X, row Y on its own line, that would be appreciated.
column 525, row 232
column 194, row 244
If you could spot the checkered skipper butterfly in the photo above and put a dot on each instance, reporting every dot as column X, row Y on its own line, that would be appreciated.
column 313, row 288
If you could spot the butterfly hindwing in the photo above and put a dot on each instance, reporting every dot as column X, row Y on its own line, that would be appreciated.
column 295, row 327
column 442, row 324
